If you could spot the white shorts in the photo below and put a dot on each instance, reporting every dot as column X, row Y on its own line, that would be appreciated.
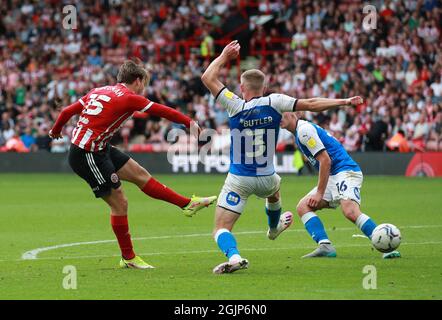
column 237, row 189
column 345, row 185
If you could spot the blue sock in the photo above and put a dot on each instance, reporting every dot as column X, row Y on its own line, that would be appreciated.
column 315, row 227
column 366, row 224
column 273, row 211
column 226, row 242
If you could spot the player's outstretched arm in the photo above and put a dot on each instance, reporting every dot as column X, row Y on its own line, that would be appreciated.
column 171, row 114
column 63, row 117
column 210, row 77
column 324, row 173
column 141, row 104
column 322, row 104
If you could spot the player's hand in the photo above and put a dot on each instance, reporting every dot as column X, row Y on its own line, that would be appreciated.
column 231, row 51
column 314, row 200
column 354, row 101
column 195, row 129
column 55, row 136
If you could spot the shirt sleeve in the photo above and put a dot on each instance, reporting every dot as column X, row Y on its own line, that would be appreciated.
column 230, row 101
column 138, row 103
column 144, row 105
column 65, row 115
column 309, row 137
column 168, row 113
column 283, row 102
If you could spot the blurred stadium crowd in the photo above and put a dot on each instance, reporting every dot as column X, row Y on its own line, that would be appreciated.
column 306, row 48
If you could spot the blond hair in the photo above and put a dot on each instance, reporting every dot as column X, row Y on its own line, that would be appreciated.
column 253, row 79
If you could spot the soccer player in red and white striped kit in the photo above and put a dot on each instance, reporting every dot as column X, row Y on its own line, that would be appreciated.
column 102, row 113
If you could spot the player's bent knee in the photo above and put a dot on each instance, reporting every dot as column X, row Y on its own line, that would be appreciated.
column 351, row 210
column 274, row 198
column 302, row 207
column 140, row 174
column 351, row 215
column 133, row 172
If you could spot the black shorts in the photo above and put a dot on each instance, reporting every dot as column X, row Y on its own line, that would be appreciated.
column 98, row 168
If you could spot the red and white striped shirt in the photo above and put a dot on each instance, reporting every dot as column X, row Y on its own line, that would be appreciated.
column 104, row 110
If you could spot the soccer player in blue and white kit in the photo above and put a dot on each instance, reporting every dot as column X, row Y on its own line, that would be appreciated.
column 340, row 182
column 254, row 125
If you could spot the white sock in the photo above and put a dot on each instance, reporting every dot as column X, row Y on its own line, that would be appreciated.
column 273, row 206
column 235, row 258
column 361, row 220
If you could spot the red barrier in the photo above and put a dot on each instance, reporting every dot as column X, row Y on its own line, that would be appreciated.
column 266, row 46
column 425, row 164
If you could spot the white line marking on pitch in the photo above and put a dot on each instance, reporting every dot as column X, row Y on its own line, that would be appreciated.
column 217, row 251
column 32, row 254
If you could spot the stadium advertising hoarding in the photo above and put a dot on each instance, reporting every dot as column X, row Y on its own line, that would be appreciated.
column 372, row 163
column 419, row 164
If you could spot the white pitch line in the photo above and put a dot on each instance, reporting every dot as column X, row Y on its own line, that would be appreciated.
column 217, row 251
column 32, row 254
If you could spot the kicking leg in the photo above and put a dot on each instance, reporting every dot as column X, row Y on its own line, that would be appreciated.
column 352, row 212
column 117, row 201
column 224, row 222
column 315, row 228
column 136, row 174
column 277, row 222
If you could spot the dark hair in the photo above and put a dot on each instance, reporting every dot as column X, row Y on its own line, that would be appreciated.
column 130, row 71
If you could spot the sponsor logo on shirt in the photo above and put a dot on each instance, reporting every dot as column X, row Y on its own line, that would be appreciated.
column 228, row 94
column 256, row 122
column 311, row 142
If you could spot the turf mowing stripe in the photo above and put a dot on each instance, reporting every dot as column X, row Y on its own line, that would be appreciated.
column 32, row 254
column 215, row 251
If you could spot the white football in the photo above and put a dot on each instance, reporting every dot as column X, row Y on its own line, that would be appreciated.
column 386, row 237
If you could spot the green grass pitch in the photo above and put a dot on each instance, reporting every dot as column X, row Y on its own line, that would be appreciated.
column 40, row 211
